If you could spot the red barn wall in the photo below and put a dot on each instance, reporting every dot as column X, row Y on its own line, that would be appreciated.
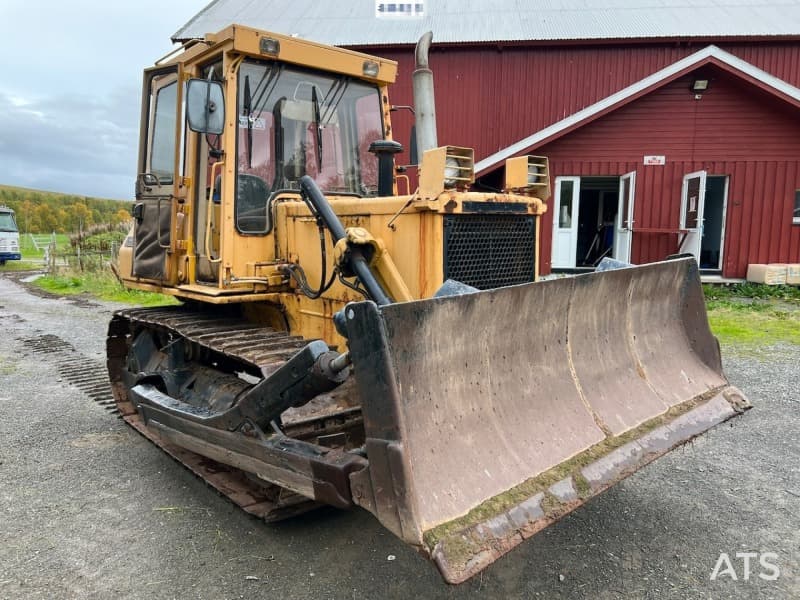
column 733, row 130
column 488, row 97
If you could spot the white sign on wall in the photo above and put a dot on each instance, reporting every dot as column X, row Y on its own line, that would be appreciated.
column 390, row 10
column 655, row 159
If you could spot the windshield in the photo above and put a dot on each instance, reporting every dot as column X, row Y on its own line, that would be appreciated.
column 7, row 222
column 294, row 122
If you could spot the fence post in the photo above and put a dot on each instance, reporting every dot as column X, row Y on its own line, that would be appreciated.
column 79, row 244
column 51, row 258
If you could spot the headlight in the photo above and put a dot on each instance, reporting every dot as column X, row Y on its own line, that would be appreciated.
column 528, row 175
column 445, row 168
column 371, row 68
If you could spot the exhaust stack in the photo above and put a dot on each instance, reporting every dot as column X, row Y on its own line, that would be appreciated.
column 424, row 105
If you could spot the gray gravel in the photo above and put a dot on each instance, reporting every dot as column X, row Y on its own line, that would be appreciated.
column 91, row 510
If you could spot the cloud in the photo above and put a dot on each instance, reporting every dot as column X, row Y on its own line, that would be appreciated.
column 77, row 144
column 69, row 103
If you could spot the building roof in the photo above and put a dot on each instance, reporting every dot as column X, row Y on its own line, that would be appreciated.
column 354, row 22
column 708, row 55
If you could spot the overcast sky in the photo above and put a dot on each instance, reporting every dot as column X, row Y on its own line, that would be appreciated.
column 70, row 88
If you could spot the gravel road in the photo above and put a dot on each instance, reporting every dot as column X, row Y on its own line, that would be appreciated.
column 90, row 509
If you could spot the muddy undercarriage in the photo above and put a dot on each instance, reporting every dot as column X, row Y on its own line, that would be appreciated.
column 178, row 372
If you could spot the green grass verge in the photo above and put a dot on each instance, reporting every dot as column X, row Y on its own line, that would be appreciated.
column 100, row 285
column 21, row 265
column 752, row 291
column 749, row 329
column 746, row 316
column 29, row 251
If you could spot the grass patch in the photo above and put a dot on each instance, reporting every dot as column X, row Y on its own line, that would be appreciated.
column 101, row 285
column 751, row 291
column 29, row 251
column 21, row 265
column 756, row 326
column 748, row 315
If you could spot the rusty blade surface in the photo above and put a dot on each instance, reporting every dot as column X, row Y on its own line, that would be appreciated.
column 476, row 406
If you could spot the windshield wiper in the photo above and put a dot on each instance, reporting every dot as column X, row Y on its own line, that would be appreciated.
column 263, row 94
column 248, row 110
column 317, row 127
column 336, row 93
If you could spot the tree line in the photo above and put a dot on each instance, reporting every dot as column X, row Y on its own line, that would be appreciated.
column 48, row 212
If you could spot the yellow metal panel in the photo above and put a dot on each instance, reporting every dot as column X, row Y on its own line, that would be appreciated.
column 205, row 293
column 227, row 238
column 250, row 249
column 313, row 319
column 312, row 54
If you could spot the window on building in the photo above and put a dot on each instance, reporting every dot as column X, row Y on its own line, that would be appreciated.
column 796, row 211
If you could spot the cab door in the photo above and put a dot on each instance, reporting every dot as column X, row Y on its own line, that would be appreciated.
column 156, row 180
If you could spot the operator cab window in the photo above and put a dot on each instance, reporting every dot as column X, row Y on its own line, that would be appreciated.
column 162, row 157
column 294, row 122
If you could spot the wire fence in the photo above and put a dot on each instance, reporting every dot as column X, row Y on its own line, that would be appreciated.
column 57, row 260
column 41, row 241
column 93, row 250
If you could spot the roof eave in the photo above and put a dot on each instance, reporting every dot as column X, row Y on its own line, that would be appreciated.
column 609, row 41
column 616, row 41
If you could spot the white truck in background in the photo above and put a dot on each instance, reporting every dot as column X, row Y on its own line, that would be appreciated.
column 9, row 236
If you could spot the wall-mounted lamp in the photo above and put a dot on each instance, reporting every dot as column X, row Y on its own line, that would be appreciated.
column 699, row 86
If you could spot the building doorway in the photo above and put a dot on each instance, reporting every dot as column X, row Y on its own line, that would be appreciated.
column 704, row 201
column 584, row 221
column 716, row 202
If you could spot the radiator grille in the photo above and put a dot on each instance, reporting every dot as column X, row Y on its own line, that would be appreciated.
column 489, row 251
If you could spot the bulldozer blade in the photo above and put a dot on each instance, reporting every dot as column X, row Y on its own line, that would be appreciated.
column 491, row 415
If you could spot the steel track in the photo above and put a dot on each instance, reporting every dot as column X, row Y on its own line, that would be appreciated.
column 241, row 346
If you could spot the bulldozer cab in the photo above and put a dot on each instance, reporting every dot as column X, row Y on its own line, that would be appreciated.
column 278, row 122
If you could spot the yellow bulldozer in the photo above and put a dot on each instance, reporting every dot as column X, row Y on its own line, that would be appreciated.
column 340, row 343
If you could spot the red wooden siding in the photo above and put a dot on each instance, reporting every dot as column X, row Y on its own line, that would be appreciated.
column 488, row 97
column 734, row 130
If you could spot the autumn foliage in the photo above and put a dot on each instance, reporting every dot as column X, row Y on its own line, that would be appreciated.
column 48, row 212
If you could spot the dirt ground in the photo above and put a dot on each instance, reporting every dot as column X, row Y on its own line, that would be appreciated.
column 90, row 509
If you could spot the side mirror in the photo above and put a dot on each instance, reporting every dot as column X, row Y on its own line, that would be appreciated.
column 205, row 106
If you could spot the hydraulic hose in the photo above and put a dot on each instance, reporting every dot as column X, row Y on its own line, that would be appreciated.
column 320, row 207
